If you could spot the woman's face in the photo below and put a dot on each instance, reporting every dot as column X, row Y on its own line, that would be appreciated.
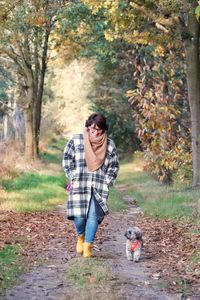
column 95, row 131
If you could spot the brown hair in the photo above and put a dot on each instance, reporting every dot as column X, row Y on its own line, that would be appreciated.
column 97, row 119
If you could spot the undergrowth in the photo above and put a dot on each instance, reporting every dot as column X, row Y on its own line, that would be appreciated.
column 156, row 199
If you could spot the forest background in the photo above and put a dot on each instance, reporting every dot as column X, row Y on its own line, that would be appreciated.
column 135, row 61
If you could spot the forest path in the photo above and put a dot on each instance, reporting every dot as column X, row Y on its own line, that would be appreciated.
column 49, row 280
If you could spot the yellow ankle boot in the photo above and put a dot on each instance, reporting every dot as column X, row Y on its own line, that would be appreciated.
column 87, row 250
column 79, row 245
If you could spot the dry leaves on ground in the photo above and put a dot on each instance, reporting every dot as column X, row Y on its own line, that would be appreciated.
column 174, row 248
column 38, row 232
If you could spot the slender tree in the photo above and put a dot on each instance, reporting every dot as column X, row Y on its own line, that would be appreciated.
column 191, row 35
column 25, row 38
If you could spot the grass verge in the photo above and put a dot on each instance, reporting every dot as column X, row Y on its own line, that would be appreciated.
column 156, row 199
column 88, row 271
column 92, row 279
column 29, row 192
column 53, row 153
column 32, row 192
column 116, row 203
column 10, row 266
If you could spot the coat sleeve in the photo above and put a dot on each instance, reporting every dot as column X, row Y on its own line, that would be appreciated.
column 113, row 168
column 69, row 159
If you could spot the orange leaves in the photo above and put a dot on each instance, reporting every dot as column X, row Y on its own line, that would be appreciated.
column 38, row 233
column 37, row 15
column 92, row 279
column 159, row 104
column 172, row 246
column 160, row 50
column 33, row 230
column 38, row 21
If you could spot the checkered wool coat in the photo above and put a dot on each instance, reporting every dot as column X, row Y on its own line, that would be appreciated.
column 85, row 182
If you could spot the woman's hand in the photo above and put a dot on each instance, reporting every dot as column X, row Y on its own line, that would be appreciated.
column 68, row 186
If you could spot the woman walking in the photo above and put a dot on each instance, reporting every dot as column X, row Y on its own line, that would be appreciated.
column 91, row 164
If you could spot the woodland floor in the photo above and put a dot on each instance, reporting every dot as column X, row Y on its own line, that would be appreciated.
column 48, row 240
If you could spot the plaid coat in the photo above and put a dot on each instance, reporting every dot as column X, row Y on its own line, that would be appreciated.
column 85, row 182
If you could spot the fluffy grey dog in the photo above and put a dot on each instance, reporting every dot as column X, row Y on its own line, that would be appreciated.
column 134, row 243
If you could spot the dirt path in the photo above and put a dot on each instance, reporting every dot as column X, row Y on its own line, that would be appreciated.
column 49, row 281
column 139, row 283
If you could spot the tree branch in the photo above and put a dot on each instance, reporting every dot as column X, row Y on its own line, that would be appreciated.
column 12, row 55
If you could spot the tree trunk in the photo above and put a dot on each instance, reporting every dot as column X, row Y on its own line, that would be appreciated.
column 30, row 145
column 30, row 138
column 193, row 80
column 39, row 77
column 5, row 127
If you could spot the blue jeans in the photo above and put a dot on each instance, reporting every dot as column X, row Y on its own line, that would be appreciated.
column 89, row 225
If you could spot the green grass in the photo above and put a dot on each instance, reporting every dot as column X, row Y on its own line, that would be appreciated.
column 10, row 266
column 33, row 192
column 115, row 202
column 168, row 207
column 156, row 199
column 29, row 192
column 83, row 272
column 92, row 279
column 58, row 143
column 31, row 181
column 54, row 151
column 195, row 258
column 50, row 157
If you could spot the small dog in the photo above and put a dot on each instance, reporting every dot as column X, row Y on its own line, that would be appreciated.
column 134, row 243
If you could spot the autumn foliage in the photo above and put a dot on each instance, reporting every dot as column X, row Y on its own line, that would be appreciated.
column 143, row 40
column 159, row 102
